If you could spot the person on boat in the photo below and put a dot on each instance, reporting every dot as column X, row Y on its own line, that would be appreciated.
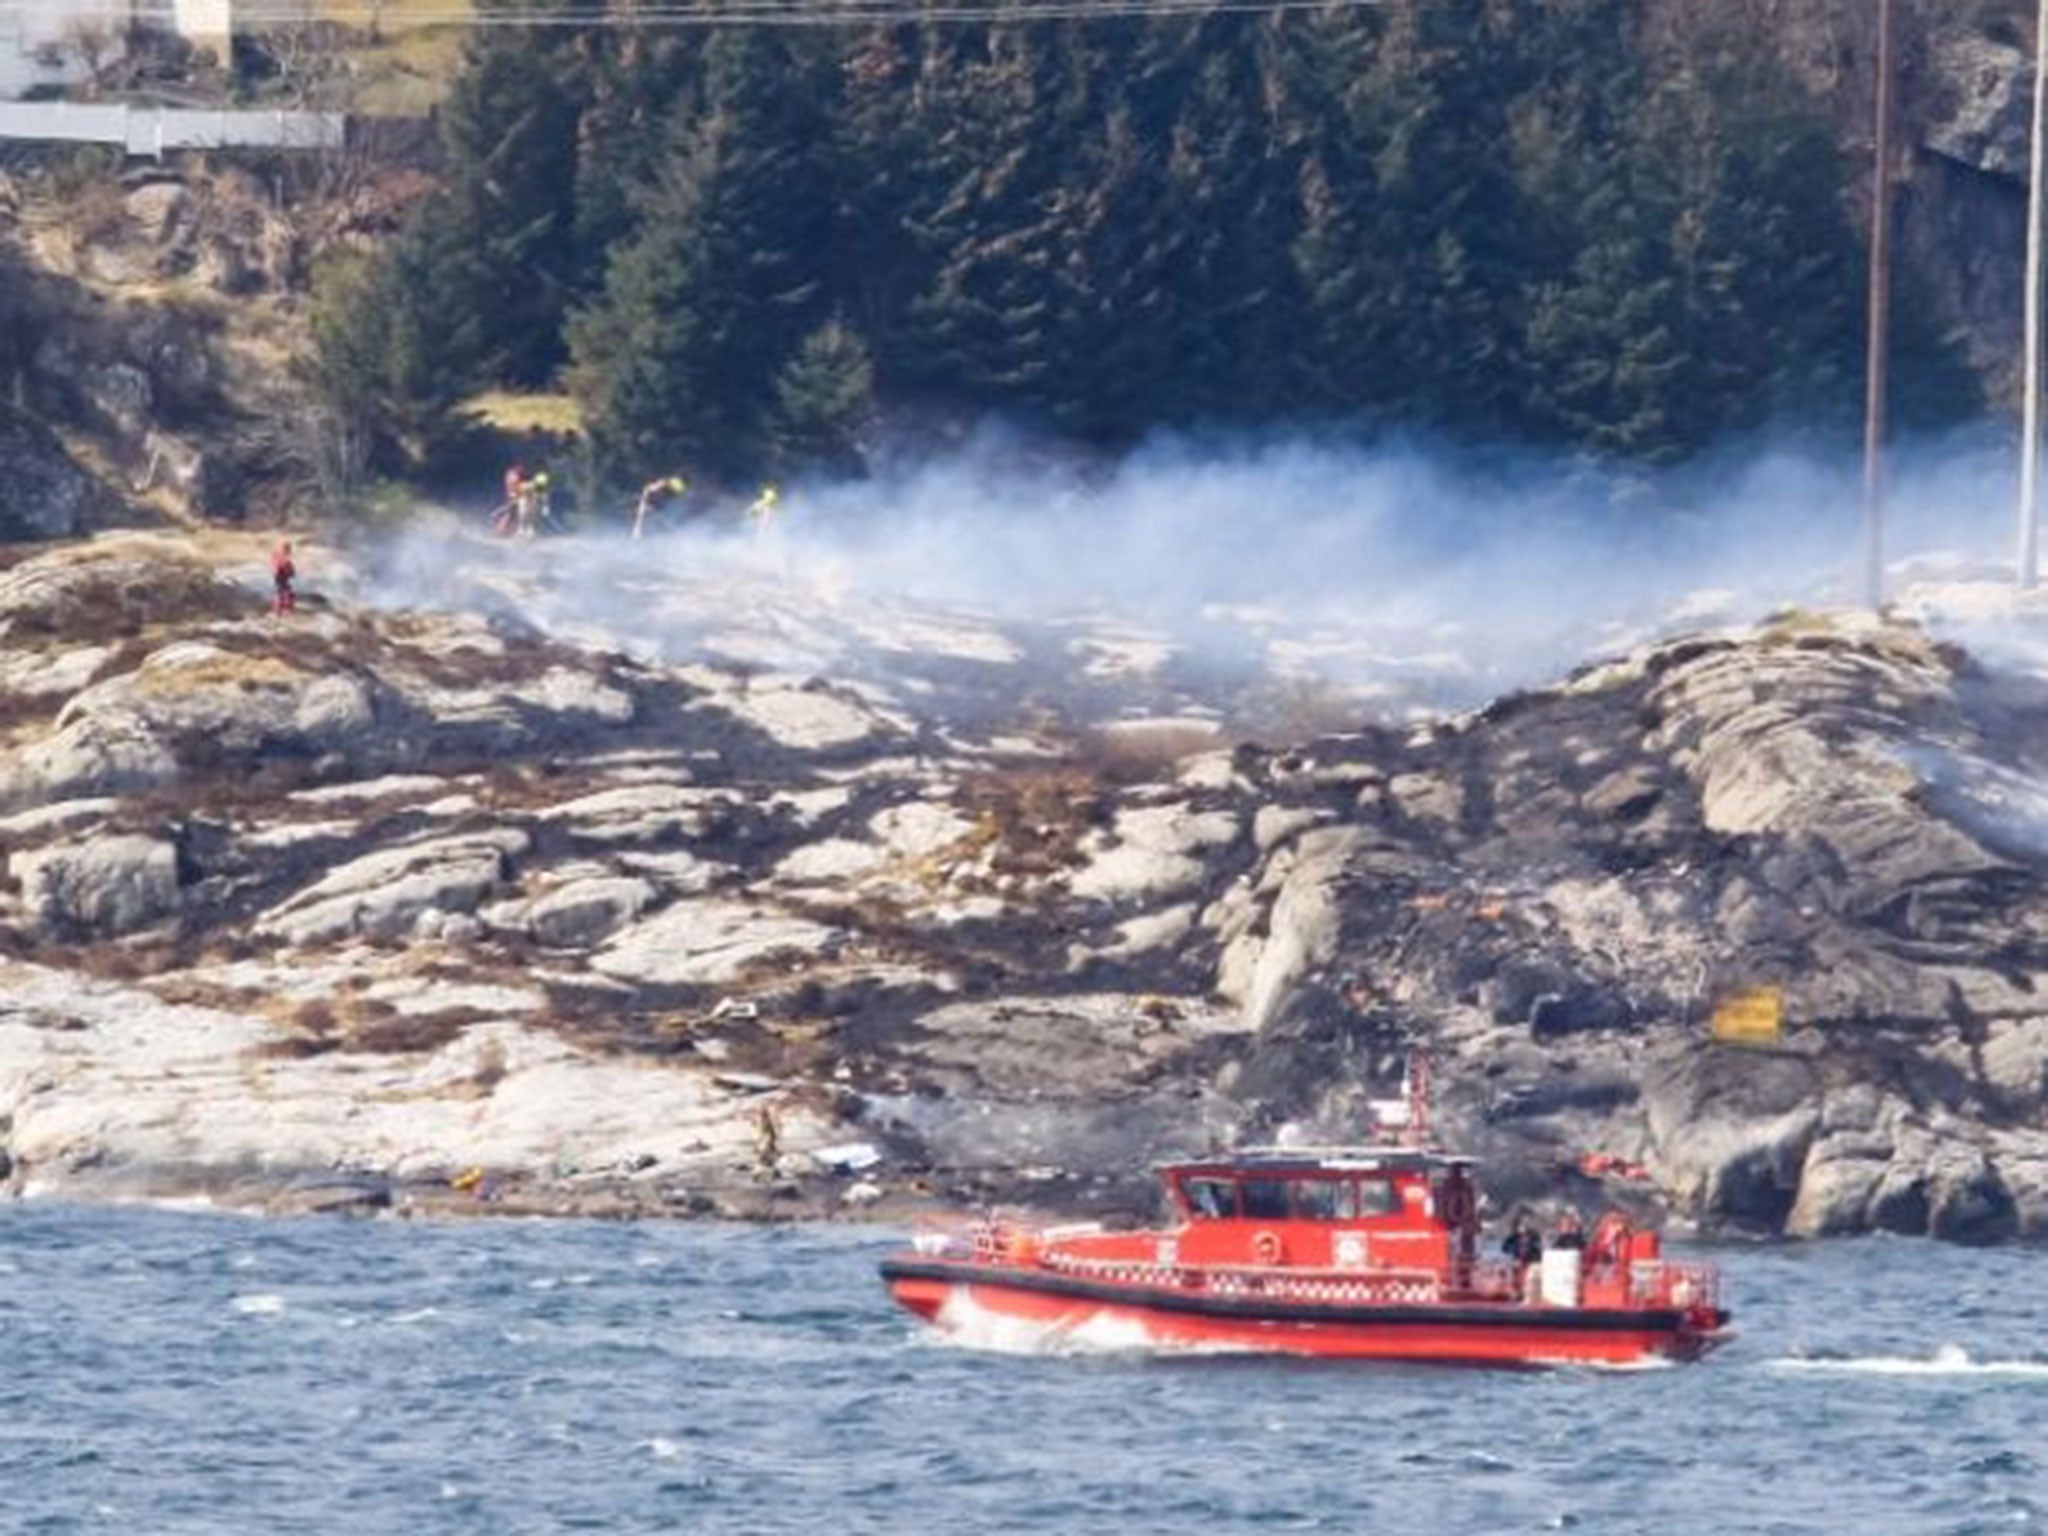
column 283, row 572
column 1523, row 1244
column 656, row 495
column 1568, row 1233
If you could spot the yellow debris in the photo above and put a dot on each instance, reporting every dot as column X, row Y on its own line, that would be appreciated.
column 1752, row 1016
column 466, row 1180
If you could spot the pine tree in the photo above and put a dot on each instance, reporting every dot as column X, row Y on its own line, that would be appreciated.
column 678, row 356
column 388, row 363
column 504, row 220
column 824, row 400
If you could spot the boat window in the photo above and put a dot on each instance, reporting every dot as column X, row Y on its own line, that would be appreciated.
column 1378, row 1197
column 1211, row 1198
column 1320, row 1199
column 1265, row 1199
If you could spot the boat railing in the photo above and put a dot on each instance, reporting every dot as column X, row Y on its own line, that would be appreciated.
column 1495, row 1280
column 1371, row 1287
column 1290, row 1282
column 1675, row 1283
column 938, row 1243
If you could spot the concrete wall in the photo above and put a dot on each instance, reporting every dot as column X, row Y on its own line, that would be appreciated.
column 154, row 130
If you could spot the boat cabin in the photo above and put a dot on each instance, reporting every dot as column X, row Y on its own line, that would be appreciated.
column 1347, row 1208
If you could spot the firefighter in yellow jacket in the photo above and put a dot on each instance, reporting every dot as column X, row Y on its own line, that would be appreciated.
column 655, row 496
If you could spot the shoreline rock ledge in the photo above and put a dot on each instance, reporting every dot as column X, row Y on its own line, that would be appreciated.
column 817, row 909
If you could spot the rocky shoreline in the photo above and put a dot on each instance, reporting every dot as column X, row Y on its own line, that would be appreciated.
column 783, row 903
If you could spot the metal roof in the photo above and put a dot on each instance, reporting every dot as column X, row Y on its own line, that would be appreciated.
column 1319, row 1159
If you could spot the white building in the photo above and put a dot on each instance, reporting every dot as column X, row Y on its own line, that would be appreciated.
column 49, row 42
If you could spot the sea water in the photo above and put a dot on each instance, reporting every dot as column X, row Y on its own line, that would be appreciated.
column 175, row 1371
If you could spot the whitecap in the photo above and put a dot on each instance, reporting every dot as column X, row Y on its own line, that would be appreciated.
column 263, row 1304
column 660, row 1447
column 418, row 1315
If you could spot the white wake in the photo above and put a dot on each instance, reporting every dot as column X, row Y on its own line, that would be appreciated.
column 1948, row 1360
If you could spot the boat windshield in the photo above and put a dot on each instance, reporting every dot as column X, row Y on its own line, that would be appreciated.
column 1324, row 1198
column 1378, row 1197
column 1265, row 1199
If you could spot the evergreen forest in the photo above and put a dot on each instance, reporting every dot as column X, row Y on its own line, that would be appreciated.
column 1623, row 230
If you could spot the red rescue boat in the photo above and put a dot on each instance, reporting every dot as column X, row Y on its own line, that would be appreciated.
column 1368, row 1252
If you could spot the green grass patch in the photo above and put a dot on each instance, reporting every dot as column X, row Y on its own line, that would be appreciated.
column 401, row 65
column 505, row 411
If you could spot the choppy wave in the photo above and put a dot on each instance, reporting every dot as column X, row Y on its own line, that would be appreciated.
column 762, row 1383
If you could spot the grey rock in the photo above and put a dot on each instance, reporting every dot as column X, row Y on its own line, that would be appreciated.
column 387, row 894
column 2016, row 1059
column 100, row 888
column 89, row 757
column 1900, row 1202
column 44, row 495
column 1968, row 1200
column 1990, row 88
column 122, row 396
column 356, row 1196
column 584, row 912
column 1836, row 1188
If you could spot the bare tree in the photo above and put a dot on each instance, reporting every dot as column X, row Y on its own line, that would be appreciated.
column 90, row 40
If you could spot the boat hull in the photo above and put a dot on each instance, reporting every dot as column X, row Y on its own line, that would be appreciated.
column 1477, row 1333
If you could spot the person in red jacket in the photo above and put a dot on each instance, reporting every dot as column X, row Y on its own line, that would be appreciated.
column 282, row 574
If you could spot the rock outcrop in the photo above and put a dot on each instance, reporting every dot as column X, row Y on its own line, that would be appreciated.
column 332, row 911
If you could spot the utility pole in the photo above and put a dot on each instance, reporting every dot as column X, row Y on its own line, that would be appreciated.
column 1880, row 319
column 2030, row 441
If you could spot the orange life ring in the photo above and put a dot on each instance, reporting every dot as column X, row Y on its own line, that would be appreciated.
column 1266, row 1247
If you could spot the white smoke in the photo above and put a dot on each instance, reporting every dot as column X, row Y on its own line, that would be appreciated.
column 1450, row 575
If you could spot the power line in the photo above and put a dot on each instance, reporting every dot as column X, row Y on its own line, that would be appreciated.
column 1880, row 319
column 714, row 13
